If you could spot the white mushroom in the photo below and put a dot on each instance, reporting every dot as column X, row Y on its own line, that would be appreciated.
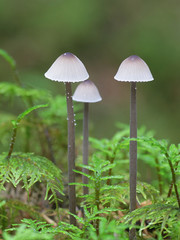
column 86, row 92
column 133, row 69
column 68, row 68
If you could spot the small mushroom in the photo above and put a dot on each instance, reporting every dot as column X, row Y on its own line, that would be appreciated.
column 133, row 69
column 86, row 92
column 68, row 68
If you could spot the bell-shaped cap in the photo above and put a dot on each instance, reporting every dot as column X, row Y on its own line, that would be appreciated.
column 133, row 69
column 86, row 92
column 67, row 68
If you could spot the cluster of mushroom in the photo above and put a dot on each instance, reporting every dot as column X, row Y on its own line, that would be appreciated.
column 68, row 68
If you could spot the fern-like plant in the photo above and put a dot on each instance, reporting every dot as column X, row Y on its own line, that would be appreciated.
column 41, row 229
column 100, row 192
column 160, row 217
column 168, row 161
column 27, row 233
column 28, row 168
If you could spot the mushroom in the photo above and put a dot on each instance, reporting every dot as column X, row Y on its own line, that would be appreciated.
column 86, row 92
column 133, row 69
column 68, row 68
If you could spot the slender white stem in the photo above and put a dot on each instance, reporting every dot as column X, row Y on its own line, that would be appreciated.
column 133, row 155
column 71, row 153
column 85, row 146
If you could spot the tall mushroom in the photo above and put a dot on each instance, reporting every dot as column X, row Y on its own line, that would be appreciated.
column 133, row 69
column 86, row 92
column 68, row 68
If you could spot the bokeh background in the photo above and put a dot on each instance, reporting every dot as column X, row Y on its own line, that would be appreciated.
column 102, row 33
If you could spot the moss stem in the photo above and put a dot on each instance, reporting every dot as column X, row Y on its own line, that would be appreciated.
column 174, row 179
column 13, row 138
column 159, row 176
column 97, row 200
column 171, row 185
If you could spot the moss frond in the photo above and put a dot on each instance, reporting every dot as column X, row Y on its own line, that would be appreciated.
column 29, row 169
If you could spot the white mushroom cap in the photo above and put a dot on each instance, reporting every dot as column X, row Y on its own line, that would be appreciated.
column 86, row 92
column 67, row 68
column 133, row 69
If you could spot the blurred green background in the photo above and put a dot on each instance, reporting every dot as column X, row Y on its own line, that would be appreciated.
column 102, row 33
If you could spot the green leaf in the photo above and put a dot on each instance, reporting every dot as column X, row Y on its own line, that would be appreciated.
column 112, row 177
column 26, row 112
column 22, row 115
column 8, row 58
column 13, row 122
column 173, row 150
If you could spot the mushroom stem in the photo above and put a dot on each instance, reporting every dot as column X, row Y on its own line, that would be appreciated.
column 71, row 153
column 85, row 147
column 133, row 154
